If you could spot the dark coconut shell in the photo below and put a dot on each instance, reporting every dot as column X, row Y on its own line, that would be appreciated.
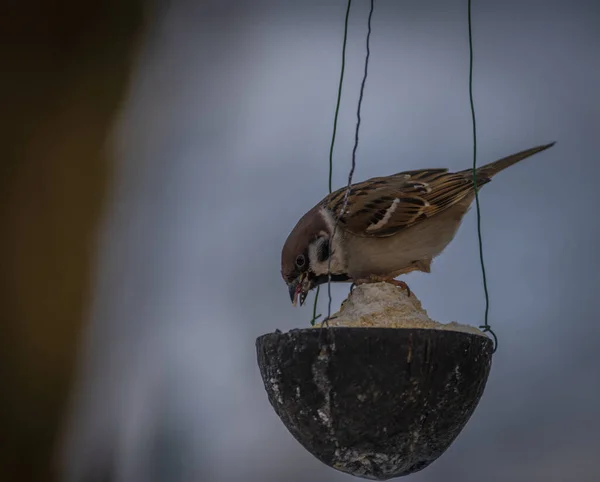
column 376, row 403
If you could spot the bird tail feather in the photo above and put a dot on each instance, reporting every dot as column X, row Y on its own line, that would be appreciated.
column 490, row 170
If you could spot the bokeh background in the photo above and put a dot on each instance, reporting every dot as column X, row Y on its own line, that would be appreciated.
column 219, row 143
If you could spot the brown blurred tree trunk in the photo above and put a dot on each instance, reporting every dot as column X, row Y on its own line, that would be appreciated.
column 64, row 74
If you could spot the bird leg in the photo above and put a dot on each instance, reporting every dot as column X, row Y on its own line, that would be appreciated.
column 381, row 279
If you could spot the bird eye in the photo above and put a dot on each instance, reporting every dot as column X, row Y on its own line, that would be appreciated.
column 300, row 260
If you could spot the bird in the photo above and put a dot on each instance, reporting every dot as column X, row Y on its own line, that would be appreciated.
column 390, row 226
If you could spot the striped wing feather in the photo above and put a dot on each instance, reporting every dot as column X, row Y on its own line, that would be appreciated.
column 383, row 206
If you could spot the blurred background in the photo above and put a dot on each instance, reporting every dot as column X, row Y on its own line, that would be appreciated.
column 156, row 158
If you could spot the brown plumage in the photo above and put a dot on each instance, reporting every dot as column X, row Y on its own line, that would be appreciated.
column 421, row 194
column 391, row 225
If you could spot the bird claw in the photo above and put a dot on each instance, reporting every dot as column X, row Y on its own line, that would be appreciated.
column 401, row 284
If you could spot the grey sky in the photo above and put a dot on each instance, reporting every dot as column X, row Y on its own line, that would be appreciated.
column 223, row 146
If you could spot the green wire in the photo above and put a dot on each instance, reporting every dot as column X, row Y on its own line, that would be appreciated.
column 339, row 96
column 486, row 326
column 315, row 317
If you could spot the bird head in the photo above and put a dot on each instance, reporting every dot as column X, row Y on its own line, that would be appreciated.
column 305, row 255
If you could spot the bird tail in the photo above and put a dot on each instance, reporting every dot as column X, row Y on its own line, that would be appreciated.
column 488, row 171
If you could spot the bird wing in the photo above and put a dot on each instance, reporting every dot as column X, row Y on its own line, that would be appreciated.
column 383, row 206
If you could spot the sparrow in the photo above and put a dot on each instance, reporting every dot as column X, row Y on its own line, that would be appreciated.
column 390, row 226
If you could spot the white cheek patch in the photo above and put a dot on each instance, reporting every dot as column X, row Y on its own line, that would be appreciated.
column 322, row 267
column 315, row 265
column 386, row 217
column 312, row 255
column 338, row 263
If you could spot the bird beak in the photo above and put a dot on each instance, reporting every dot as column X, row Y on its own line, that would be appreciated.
column 293, row 287
column 296, row 289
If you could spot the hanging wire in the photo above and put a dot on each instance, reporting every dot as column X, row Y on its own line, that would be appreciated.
column 339, row 97
column 351, row 173
column 486, row 327
column 315, row 317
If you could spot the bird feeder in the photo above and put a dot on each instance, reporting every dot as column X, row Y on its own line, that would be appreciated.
column 383, row 391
